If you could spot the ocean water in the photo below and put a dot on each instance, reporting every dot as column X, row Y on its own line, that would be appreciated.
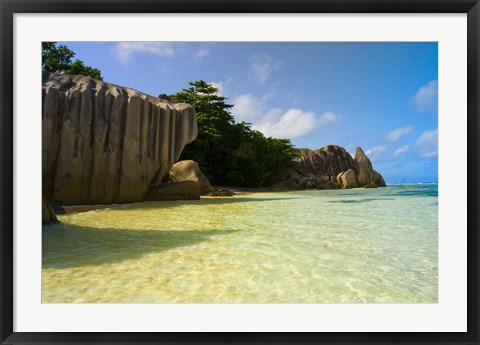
column 339, row 246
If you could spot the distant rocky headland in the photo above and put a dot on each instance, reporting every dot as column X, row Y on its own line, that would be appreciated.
column 103, row 144
column 330, row 167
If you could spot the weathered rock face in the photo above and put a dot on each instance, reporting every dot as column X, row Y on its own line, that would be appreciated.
column 330, row 167
column 189, row 170
column 104, row 143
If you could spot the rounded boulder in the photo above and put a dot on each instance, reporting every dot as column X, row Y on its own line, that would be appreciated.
column 189, row 170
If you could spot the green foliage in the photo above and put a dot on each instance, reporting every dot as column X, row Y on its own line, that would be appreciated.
column 231, row 153
column 77, row 67
column 58, row 59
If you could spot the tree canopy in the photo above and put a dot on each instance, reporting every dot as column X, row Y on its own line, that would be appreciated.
column 231, row 153
column 57, row 58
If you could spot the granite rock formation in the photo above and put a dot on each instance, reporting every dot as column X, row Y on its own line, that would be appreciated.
column 189, row 170
column 330, row 167
column 103, row 143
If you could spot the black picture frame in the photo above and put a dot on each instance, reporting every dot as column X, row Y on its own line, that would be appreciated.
column 9, row 7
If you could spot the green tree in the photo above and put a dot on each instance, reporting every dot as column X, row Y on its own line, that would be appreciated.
column 228, row 152
column 57, row 58
column 214, row 120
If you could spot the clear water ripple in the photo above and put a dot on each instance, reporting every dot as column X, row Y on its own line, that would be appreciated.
column 345, row 246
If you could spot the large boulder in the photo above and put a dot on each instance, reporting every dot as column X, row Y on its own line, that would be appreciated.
column 104, row 143
column 189, row 170
column 347, row 179
column 363, row 169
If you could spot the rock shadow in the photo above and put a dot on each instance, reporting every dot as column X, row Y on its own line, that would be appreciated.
column 76, row 246
column 160, row 204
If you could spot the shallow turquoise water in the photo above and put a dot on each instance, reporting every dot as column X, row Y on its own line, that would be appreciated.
column 340, row 246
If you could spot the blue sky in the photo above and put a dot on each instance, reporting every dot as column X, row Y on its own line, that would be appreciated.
column 379, row 96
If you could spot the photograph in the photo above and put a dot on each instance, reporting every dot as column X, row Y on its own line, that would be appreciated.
column 239, row 172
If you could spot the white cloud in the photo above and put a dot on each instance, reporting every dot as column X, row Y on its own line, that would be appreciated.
column 263, row 65
column 426, row 98
column 293, row 123
column 248, row 107
column 375, row 152
column 427, row 143
column 398, row 133
column 402, row 150
column 125, row 50
column 275, row 122
column 200, row 53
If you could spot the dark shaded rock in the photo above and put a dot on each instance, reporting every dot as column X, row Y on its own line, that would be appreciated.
column 329, row 185
column 55, row 205
column 103, row 143
column 165, row 97
column 371, row 185
column 48, row 215
column 378, row 179
column 288, row 184
column 189, row 170
column 184, row 190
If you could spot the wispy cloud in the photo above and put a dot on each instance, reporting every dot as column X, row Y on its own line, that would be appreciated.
column 329, row 117
column 427, row 143
column 402, row 150
column 125, row 51
column 426, row 98
column 374, row 153
column 262, row 66
column 200, row 53
column 398, row 133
